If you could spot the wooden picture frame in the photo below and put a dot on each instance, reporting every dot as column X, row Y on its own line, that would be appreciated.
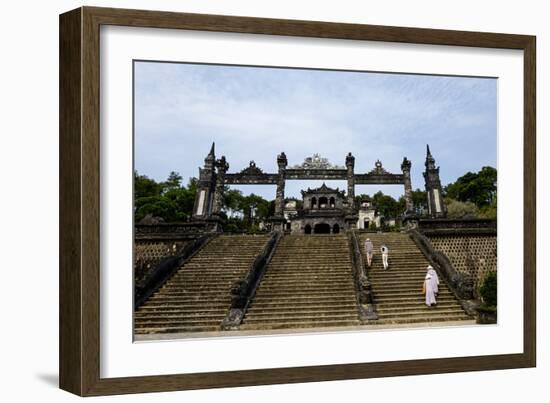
column 79, row 200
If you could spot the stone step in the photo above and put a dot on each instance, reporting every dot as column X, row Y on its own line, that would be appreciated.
column 185, row 306
column 404, row 307
column 158, row 322
column 176, row 329
column 304, row 308
column 207, row 273
column 424, row 319
column 289, row 317
column 299, row 325
column 384, row 295
column 180, row 315
column 397, row 272
column 307, row 286
column 311, row 294
column 174, row 288
column 421, row 312
column 206, row 299
column 350, row 302
column 201, row 280
column 409, row 299
column 307, row 270
column 398, row 286
column 295, row 276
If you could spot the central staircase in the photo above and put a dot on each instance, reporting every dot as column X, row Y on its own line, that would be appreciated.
column 398, row 290
column 308, row 283
column 197, row 297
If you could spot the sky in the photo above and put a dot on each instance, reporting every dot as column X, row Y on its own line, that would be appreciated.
column 255, row 113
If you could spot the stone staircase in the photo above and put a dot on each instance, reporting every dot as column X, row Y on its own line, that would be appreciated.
column 398, row 290
column 308, row 283
column 197, row 298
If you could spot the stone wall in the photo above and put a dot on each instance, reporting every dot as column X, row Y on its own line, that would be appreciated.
column 472, row 255
column 148, row 253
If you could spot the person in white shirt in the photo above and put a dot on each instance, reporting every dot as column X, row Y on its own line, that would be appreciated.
column 369, row 250
column 385, row 252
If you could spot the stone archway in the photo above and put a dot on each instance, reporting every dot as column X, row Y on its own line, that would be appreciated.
column 321, row 228
column 307, row 229
column 335, row 229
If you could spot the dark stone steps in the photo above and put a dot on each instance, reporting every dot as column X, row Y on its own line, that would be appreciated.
column 288, row 317
column 299, row 325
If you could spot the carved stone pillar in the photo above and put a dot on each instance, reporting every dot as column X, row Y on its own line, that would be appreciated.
column 279, row 218
column 350, row 176
column 351, row 215
column 280, row 196
column 206, row 185
column 406, row 169
column 222, row 167
column 434, row 191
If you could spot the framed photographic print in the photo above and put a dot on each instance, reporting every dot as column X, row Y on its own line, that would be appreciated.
column 251, row 201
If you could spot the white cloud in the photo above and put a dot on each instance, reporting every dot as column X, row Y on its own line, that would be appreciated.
column 255, row 113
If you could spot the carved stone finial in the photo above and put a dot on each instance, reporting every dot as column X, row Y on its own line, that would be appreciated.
column 430, row 160
column 378, row 169
column 350, row 160
column 211, row 157
column 222, row 164
column 282, row 160
column 406, row 164
column 316, row 162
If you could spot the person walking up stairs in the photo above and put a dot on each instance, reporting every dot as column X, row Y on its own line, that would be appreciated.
column 398, row 291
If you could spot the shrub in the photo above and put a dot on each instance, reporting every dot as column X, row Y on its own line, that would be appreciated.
column 488, row 289
column 458, row 209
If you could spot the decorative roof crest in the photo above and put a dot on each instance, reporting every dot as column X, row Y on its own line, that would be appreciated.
column 378, row 169
column 252, row 170
column 317, row 162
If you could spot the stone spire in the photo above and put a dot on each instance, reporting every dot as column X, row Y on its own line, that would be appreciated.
column 430, row 161
column 434, row 191
column 211, row 157
column 206, row 187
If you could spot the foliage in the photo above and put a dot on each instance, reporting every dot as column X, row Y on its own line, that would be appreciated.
column 173, row 181
column 479, row 188
column 419, row 199
column 145, row 187
column 489, row 211
column 390, row 228
column 473, row 194
column 245, row 213
column 488, row 289
column 167, row 200
column 458, row 209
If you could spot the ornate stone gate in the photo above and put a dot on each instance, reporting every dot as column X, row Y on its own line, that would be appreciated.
column 214, row 176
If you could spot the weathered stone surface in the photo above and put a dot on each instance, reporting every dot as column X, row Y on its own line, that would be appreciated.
column 213, row 177
column 434, row 191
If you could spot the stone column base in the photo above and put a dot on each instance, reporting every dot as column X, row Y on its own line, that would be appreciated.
column 410, row 221
column 351, row 222
column 277, row 223
column 211, row 224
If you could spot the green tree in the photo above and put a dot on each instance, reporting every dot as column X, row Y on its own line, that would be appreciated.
column 145, row 187
column 167, row 200
column 489, row 211
column 387, row 205
column 173, row 181
column 419, row 200
column 479, row 188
